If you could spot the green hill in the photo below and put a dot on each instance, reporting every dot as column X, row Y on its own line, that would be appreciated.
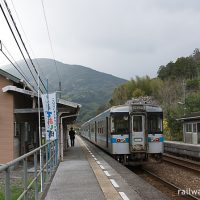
column 80, row 84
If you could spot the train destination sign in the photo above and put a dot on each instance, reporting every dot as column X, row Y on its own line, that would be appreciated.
column 138, row 108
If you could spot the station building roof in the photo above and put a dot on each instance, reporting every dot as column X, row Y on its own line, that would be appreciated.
column 190, row 117
column 65, row 108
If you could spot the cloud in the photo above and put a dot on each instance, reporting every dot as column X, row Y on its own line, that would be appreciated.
column 124, row 38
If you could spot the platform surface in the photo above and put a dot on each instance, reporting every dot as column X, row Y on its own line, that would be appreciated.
column 85, row 175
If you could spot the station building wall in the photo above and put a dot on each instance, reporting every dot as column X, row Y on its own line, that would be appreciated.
column 6, row 123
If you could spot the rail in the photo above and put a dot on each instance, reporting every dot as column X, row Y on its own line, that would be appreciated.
column 41, row 174
column 185, row 163
column 189, row 196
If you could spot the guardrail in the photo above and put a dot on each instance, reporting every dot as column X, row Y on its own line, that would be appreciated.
column 40, row 175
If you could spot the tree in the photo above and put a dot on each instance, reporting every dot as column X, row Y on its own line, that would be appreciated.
column 183, row 68
column 138, row 93
column 196, row 55
column 192, row 102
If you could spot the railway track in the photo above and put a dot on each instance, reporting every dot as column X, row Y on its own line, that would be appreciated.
column 169, row 188
column 185, row 163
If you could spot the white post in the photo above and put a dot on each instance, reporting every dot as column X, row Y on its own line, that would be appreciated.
column 61, row 138
column 40, row 137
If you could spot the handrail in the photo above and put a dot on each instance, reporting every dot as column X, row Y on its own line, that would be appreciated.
column 13, row 162
column 48, row 166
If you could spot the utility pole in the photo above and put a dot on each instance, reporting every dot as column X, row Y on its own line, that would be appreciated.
column 184, row 95
column 59, row 89
column 184, row 91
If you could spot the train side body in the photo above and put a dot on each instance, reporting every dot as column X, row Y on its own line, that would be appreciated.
column 102, row 130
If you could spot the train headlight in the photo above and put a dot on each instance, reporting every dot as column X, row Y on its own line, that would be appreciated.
column 157, row 139
column 118, row 140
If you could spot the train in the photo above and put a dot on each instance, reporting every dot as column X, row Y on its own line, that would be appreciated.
column 130, row 133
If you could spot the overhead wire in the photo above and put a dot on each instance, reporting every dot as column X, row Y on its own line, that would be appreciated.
column 59, row 77
column 36, row 60
column 19, row 68
column 17, row 41
column 23, row 43
column 16, row 67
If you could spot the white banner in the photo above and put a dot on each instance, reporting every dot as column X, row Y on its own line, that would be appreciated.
column 50, row 115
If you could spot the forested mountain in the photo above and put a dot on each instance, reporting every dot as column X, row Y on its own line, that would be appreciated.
column 80, row 84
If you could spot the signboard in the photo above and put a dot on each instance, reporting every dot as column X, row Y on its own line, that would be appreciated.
column 50, row 115
column 138, row 108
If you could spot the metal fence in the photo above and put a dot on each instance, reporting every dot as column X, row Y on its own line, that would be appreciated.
column 37, row 168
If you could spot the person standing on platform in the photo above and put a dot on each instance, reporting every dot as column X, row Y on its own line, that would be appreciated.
column 72, row 136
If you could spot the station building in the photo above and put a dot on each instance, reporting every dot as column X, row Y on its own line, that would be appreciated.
column 19, row 121
column 191, row 128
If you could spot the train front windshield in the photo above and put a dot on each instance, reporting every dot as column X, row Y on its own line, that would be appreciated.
column 154, row 123
column 121, row 124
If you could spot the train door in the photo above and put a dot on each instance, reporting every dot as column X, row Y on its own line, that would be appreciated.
column 198, row 133
column 89, row 136
column 138, row 133
column 95, row 129
column 107, row 132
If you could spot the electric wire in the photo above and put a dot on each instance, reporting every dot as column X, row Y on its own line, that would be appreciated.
column 36, row 60
column 23, row 42
column 16, row 67
column 16, row 41
column 19, row 68
column 50, row 40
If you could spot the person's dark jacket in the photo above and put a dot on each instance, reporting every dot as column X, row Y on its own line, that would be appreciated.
column 72, row 134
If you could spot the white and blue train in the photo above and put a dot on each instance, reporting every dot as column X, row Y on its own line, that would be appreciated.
column 130, row 133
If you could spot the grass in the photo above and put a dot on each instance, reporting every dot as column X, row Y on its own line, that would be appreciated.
column 15, row 192
column 17, row 189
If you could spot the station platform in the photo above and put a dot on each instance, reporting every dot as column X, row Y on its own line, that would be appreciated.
column 87, row 173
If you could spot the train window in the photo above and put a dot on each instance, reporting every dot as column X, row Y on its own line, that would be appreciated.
column 121, row 125
column 154, row 123
column 137, row 123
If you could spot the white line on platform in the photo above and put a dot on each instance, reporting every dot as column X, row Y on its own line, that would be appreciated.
column 107, row 173
column 95, row 158
column 114, row 183
column 91, row 153
column 102, row 167
column 98, row 163
column 123, row 195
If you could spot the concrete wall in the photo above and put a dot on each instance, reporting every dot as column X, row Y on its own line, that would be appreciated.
column 6, row 123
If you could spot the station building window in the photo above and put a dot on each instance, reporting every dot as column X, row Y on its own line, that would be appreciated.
column 191, row 128
column 188, row 128
column 194, row 128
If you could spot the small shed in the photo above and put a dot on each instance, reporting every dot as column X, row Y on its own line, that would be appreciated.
column 191, row 128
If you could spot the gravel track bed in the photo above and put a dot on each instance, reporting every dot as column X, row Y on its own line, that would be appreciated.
column 182, row 178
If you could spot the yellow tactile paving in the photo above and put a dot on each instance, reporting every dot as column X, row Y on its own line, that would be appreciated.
column 109, row 191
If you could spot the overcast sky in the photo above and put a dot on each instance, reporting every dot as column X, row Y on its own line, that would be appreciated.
column 120, row 37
